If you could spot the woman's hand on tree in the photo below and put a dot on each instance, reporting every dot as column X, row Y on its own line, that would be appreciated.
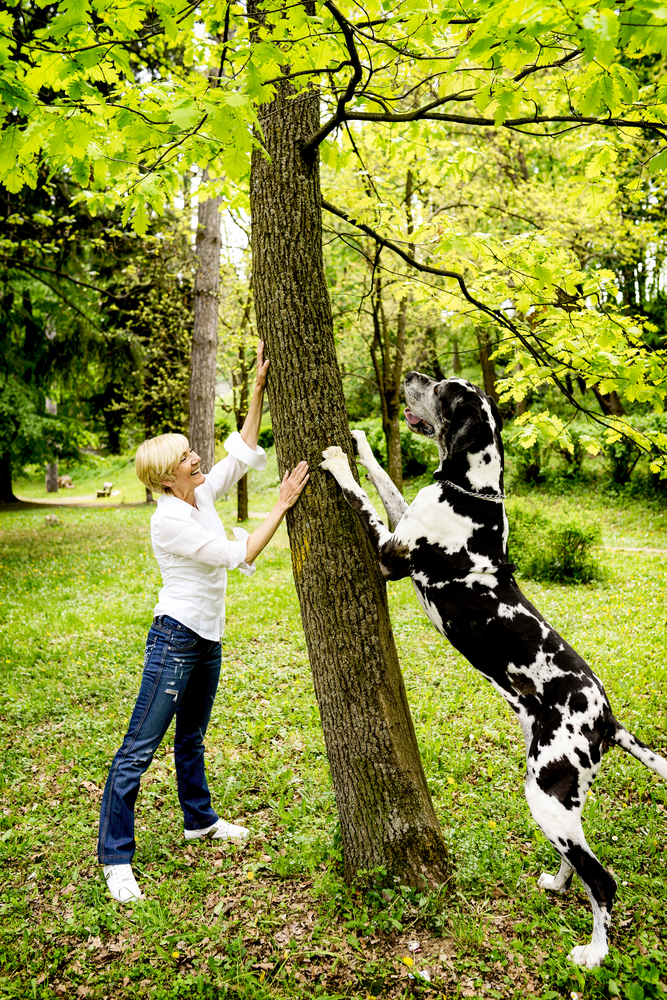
column 262, row 368
column 292, row 485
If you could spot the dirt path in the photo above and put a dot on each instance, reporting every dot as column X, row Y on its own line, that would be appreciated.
column 634, row 548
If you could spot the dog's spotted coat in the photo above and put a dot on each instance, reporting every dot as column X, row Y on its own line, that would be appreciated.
column 452, row 541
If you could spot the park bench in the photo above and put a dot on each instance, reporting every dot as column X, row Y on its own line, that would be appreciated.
column 105, row 491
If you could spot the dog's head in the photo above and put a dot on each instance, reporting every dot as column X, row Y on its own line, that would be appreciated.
column 461, row 419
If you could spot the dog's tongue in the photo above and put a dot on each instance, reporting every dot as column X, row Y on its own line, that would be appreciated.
column 410, row 417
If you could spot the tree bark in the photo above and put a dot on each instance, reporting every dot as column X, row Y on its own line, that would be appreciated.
column 388, row 378
column 205, row 331
column 240, row 375
column 386, row 815
column 242, row 499
column 488, row 367
column 610, row 402
column 456, row 360
column 51, row 477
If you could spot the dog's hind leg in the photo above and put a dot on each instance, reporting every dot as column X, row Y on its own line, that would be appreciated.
column 557, row 883
column 391, row 497
column 562, row 826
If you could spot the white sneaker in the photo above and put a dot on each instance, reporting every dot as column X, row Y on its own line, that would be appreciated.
column 218, row 831
column 121, row 883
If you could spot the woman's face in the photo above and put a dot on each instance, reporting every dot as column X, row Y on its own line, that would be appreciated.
column 187, row 474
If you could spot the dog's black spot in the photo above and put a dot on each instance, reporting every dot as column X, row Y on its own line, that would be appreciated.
column 560, row 778
column 523, row 684
column 570, row 727
column 562, row 841
column 578, row 702
column 596, row 878
column 584, row 759
column 395, row 560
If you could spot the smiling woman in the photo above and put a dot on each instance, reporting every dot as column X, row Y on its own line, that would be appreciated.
column 182, row 661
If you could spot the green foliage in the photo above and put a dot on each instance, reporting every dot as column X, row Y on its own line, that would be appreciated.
column 545, row 547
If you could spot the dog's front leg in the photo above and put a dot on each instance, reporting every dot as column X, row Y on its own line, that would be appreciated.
column 392, row 500
column 394, row 558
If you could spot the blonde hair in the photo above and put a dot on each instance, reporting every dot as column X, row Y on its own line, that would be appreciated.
column 157, row 459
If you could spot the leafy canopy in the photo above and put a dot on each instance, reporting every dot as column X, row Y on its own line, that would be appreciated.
column 127, row 96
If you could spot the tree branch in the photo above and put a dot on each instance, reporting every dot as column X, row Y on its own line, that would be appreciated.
column 496, row 314
column 355, row 62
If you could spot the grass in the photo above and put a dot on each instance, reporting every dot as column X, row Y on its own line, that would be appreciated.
column 272, row 919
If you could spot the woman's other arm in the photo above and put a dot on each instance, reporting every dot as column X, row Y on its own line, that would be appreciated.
column 290, row 491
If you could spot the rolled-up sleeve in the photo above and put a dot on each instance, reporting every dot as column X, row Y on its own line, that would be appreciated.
column 187, row 538
column 224, row 474
column 236, row 446
column 241, row 535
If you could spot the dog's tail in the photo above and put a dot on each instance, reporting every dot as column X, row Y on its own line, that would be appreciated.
column 626, row 741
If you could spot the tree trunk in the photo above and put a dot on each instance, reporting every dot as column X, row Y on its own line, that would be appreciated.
column 51, row 478
column 205, row 331
column 6, row 491
column 386, row 815
column 610, row 402
column 488, row 367
column 388, row 378
column 456, row 360
column 242, row 499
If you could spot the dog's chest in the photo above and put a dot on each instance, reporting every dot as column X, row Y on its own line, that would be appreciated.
column 433, row 521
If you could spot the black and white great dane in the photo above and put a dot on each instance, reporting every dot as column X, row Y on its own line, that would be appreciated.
column 452, row 541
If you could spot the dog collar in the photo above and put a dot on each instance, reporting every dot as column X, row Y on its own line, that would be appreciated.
column 498, row 498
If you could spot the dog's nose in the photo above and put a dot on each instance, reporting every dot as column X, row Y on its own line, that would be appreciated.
column 409, row 376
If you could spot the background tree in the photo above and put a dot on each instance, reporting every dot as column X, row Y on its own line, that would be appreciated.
column 205, row 329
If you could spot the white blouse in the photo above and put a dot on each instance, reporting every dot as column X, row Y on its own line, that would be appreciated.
column 192, row 549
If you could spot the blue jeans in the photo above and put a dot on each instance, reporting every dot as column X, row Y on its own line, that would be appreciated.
column 181, row 673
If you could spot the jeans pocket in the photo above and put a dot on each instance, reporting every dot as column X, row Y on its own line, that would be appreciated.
column 183, row 639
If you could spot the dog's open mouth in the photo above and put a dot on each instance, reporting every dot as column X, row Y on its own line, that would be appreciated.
column 416, row 423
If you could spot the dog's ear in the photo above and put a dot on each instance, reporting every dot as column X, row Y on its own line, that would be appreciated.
column 464, row 425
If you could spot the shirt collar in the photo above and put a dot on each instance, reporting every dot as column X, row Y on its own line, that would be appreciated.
column 176, row 507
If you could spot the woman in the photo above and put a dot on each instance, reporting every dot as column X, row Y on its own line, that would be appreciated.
column 182, row 661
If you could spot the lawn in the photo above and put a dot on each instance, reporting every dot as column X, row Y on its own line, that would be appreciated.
column 272, row 918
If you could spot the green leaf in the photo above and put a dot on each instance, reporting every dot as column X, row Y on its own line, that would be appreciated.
column 658, row 162
column 634, row 991
column 185, row 114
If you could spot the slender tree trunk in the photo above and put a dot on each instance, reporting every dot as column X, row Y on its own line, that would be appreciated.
column 6, row 491
column 205, row 331
column 456, row 360
column 488, row 367
column 240, row 377
column 51, row 478
column 388, row 378
column 386, row 815
column 242, row 499
column 610, row 402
